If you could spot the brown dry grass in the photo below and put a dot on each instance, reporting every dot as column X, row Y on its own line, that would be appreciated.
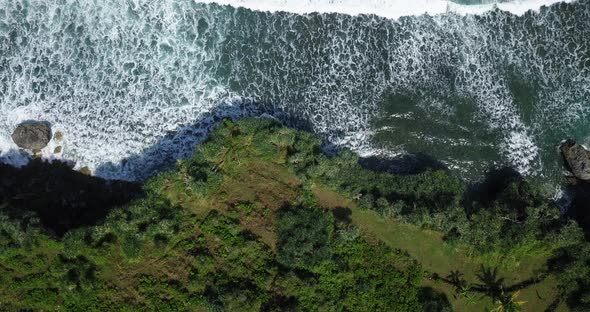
column 126, row 275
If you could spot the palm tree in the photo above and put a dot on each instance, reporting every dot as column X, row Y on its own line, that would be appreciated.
column 466, row 293
column 490, row 281
column 508, row 303
column 456, row 278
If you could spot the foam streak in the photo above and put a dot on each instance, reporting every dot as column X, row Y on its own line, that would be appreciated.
column 386, row 8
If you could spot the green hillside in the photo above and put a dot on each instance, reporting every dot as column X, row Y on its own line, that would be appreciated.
column 260, row 219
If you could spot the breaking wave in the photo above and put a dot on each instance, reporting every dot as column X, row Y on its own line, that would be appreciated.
column 134, row 85
column 388, row 8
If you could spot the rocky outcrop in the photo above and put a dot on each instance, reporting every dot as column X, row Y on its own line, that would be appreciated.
column 58, row 136
column 32, row 135
column 85, row 171
column 577, row 159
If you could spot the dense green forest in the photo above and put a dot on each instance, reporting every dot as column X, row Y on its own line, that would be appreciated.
column 259, row 218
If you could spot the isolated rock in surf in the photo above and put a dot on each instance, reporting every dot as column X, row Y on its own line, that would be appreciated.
column 577, row 158
column 32, row 135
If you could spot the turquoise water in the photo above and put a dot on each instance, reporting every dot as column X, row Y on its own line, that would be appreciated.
column 120, row 76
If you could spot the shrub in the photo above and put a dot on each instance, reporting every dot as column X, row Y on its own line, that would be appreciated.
column 304, row 237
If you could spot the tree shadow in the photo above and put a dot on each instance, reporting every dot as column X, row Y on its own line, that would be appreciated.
column 342, row 214
column 179, row 144
column 62, row 198
column 15, row 158
column 456, row 278
column 490, row 283
column 483, row 194
column 434, row 301
column 579, row 206
column 163, row 154
column 494, row 183
column 408, row 164
column 526, row 283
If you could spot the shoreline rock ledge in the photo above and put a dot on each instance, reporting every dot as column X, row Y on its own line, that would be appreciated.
column 32, row 135
column 577, row 159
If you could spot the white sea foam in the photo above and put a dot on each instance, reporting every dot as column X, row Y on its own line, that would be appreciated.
column 386, row 8
column 125, row 80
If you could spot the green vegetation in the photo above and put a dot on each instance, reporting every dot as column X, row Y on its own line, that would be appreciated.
column 261, row 219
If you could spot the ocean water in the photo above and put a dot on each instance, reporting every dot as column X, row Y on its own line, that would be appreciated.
column 135, row 84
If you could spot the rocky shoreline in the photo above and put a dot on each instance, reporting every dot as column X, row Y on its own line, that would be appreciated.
column 36, row 138
column 576, row 160
column 33, row 136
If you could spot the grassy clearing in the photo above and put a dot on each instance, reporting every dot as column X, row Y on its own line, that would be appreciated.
column 270, row 185
column 438, row 257
column 428, row 248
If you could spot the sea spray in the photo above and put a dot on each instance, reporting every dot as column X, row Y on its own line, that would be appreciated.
column 134, row 85
column 388, row 8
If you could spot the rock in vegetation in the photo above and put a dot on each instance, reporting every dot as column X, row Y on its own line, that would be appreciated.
column 577, row 159
column 32, row 135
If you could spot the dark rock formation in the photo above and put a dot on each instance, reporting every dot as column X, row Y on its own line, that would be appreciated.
column 577, row 200
column 577, row 159
column 32, row 135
